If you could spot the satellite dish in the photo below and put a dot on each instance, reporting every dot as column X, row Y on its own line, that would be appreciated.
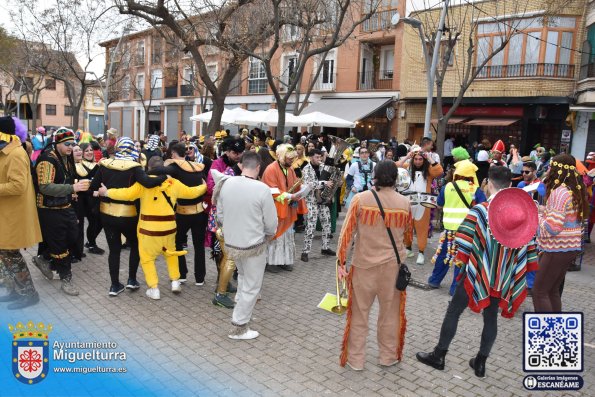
column 395, row 19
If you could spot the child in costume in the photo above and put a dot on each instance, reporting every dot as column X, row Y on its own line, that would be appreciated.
column 157, row 225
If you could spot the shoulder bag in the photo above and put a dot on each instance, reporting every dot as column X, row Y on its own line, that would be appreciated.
column 404, row 275
column 461, row 196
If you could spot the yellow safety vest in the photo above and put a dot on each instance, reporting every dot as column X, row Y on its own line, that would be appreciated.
column 455, row 210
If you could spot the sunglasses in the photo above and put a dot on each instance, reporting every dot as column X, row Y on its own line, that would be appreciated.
column 527, row 172
column 69, row 144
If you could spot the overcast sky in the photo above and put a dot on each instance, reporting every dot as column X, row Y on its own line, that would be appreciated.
column 99, row 63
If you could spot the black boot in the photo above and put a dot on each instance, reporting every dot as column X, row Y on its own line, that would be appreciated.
column 434, row 359
column 479, row 365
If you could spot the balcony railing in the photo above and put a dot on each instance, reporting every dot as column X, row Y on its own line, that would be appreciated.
column 377, row 80
column 171, row 92
column 552, row 70
column 186, row 90
column 378, row 21
column 587, row 71
column 325, row 82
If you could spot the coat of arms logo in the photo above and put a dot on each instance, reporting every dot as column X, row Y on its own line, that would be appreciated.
column 30, row 351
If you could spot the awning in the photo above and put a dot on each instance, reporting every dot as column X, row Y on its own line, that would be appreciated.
column 452, row 120
column 491, row 122
column 351, row 109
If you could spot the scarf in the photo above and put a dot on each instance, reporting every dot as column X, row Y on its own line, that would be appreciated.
column 197, row 156
column 8, row 137
column 153, row 142
column 125, row 149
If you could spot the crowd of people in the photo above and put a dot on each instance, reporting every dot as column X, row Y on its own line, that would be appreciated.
column 244, row 198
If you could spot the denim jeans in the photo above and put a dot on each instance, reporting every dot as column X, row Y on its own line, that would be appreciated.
column 456, row 307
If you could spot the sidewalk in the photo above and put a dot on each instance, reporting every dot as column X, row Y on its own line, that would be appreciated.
column 179, row 345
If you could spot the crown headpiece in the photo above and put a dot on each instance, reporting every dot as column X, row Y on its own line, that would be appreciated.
column 30, row 330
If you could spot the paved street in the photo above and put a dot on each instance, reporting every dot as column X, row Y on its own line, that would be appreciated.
column 179, row 345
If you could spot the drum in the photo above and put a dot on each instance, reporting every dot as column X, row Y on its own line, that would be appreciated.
column 403, row 180
column 428, row 200
column 413, row 197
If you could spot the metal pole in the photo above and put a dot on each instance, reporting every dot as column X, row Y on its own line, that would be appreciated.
column 109, row 78
column 432, row 72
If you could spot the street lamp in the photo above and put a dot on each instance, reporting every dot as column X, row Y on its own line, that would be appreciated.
column 430, row 66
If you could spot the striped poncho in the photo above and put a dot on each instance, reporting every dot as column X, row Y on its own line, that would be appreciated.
column 492, row 270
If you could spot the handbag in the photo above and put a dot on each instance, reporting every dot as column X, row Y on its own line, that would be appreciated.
column 404, row 275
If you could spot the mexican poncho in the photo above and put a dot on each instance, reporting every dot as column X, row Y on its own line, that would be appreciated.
column 492, row 270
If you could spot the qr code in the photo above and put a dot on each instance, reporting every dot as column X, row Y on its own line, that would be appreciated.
column 553, row 342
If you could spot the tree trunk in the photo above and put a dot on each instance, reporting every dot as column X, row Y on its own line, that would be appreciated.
column 34, row 115
column 75, row 118
column 440, row 136
column 145, row 124
column 77, row 108
column 281, row 107
column 219, row 99
column 218, row 107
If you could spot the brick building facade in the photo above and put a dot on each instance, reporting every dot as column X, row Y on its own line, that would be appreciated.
column 522, row 95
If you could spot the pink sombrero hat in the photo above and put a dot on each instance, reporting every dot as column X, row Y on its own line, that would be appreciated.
column 513, row 217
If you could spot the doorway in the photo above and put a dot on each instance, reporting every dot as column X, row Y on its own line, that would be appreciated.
column 154, row 125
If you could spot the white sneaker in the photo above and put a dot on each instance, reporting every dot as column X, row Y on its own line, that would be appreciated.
column 420, row 258
column 154, row 293
column 176, row 286
column 249, row 334
column 199, row 284
column 182, row 281
column 409, row 253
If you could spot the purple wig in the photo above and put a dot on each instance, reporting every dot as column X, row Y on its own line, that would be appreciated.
column 20, row 129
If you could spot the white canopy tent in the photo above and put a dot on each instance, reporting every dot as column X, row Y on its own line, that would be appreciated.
column 270, row 117
column 229, row 116
column 324, row 120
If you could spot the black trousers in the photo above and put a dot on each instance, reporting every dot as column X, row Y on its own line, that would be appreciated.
column 456, row 307
column 115, row 227
column 59, row 230
column 87, row 207
column 197, row 224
